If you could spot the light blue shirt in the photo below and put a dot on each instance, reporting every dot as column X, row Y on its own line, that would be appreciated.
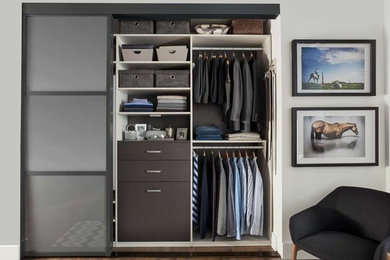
column 237, row 198
column 258, row 201
column 242, row 170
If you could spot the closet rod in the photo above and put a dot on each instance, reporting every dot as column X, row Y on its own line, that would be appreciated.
column 228, row 147
column 227, row 48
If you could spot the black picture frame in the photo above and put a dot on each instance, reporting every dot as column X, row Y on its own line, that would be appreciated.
column 295, row 84
column 294, row 146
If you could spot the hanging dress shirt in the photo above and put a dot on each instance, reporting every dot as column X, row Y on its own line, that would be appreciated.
column 257, row 98
column 250, row 187
column 236, row 96
column 258, row 201
column 198, row 70
column 247, row 97
column 220, row 81
column 231, row 230
column 241, row 169
column 195, row 193
column 222, row 199
column 205, row 81
column 204, row 201
column 213, row 80
column 227, row 85
column 213, row 199
column 237, row 198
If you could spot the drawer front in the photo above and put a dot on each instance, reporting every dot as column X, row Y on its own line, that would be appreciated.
column 149, row 150
column 154, row 170
column 154, row 211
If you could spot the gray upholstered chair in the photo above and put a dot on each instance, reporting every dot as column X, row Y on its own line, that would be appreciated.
column 349, row 224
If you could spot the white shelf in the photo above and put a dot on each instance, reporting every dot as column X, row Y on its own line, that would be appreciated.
column 125, row 65
column 153, row 90
column 154, row 113
column 228, row 141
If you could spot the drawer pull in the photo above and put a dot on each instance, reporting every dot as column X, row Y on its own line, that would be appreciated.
column 153, row 171
column 153, row 152
column 153, row 191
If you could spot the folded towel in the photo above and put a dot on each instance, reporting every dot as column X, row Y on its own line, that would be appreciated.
column 172, row 97
column 251, row 135
column 137, row 109
column 138, row 105
column 172, row 101
column 209, row 138
column 172, row 105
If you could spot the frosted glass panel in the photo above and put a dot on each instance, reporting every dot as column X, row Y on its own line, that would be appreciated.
column 66, row 133
column 66, row 53
column 65, row 214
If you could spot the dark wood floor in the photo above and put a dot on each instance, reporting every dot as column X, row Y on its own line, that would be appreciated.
column 176, row 253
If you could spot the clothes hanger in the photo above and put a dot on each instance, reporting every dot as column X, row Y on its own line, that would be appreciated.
column 204, row 153
column 243, row 55
column 234, row 154
column 252, row 56
column 246, row 153
column 227, row 154
column 239, row 154
column 219, row 154
column 253, row 154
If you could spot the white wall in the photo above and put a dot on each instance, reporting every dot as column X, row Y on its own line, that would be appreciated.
column 10, row 71
column 297, row 188
column 332, row 19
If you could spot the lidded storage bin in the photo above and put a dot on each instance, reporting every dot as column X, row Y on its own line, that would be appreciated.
column 173, row 27
column 136, row 78
column 137, row 52
column 172, row 53
column 137, row 26
column 172, row 78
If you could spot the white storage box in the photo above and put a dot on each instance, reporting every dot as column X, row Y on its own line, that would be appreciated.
column 172, row 53
column 137, row 52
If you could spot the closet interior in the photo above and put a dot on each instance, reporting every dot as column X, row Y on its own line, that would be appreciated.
column 153, row 175
column 121, row 102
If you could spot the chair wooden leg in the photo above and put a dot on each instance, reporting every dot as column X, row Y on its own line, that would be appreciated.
column 295, row 250
column 388, row 256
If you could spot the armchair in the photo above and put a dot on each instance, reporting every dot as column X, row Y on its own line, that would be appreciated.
column 349, row 224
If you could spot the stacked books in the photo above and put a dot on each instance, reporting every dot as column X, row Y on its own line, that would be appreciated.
column 138, row 105
column 171, row 103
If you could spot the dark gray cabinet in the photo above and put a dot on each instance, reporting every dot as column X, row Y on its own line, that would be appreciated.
column 66, row 138
column 154, row 191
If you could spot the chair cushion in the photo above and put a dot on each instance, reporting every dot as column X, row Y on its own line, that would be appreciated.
column 334, row 245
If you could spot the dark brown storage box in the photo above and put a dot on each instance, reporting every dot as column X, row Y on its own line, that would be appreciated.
column 248, row 26
column 136, row 78
column 137, row 26
column 172, row 78
column 173, row 27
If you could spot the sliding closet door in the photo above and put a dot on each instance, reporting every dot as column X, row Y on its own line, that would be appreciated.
column 67, row 145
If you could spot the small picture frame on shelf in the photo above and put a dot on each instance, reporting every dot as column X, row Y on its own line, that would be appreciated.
column 141, row 131
column 181, row 133
column 334, row 136
column 333, row 67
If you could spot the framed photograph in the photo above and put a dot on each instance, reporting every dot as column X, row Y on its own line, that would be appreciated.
column 141, row 131
column 333, row 67
column 345, row 136
column 181, row 134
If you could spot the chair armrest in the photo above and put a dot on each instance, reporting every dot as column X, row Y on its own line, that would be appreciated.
column 314, row 220
column 382, row 252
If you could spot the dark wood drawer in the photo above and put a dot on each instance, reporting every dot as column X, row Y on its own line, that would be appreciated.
column 153, row 211
column 154, row 170
column 153, row 150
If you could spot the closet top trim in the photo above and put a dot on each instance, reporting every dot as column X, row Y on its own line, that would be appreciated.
column 188, row 11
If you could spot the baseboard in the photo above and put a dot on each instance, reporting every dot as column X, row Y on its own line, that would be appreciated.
column 287, row 249
column 10, row 252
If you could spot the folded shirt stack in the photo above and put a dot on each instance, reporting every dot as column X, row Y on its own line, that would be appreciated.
column 243, row 136
column 138, row 105
column 210, row 132
column 171, row 103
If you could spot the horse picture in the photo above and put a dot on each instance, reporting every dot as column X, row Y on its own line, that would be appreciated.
column 327, row 136
column 315, row 76
column 331, row 131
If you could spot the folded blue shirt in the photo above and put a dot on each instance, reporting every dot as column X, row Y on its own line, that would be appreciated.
column 209, row 137
column 212, row 129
